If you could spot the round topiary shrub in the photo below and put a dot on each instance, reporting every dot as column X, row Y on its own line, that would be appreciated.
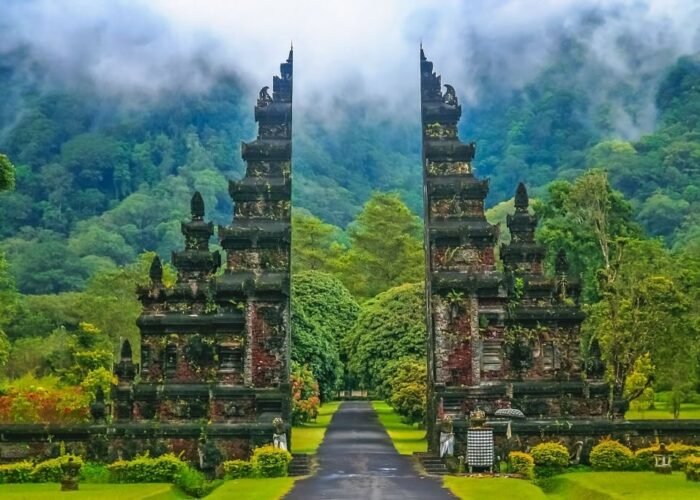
column 521, row 463
column 270, row 461
column 550, row 458
column 611, row 455
column 550, row 454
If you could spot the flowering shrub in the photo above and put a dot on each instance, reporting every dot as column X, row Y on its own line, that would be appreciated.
column 521, row 463
column 405, row 381
column 68, row 405
column 305, row 395
column 611, row 455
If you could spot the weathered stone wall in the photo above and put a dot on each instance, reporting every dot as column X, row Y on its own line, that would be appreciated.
column 212, row 443
column 578, row 432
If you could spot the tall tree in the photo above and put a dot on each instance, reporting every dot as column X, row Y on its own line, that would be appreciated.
column 390, row 326
column 586, row 218
column 7, row 174
column 323, row 313
column 386, row 249
column 644, row 311
column 9, row 305
column 314, row 243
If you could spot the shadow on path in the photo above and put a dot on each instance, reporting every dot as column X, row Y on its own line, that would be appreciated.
column 358, row 461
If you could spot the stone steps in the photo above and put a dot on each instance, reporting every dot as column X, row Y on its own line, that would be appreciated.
column 300, row 465
column 433, row 465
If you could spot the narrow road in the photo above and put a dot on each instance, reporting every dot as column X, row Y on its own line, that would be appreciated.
column 358, row 461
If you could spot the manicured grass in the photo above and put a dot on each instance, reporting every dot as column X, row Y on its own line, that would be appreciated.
column 157, row 491
column 579, row 486
column 306, row 438
column 253, row 489
column 497, row 487
column 240, row 489
column 661, row 411
column 637, row 485
column 406, row 438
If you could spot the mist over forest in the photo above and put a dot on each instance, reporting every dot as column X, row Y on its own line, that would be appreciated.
column 114, row 113
column 121, row 126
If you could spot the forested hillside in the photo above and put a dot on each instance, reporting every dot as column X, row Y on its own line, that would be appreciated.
column 101, row 179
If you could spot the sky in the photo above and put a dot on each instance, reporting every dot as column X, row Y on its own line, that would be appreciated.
column 351, row 50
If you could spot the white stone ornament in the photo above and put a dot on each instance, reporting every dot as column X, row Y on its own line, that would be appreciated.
column 279, row 441
column 447, row 444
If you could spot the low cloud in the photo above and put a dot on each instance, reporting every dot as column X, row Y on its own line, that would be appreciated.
column 350, row 51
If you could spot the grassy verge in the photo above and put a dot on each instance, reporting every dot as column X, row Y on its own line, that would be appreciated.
column 406, row 438
column 662, row 412
column 579, row 486
column 498, row 487
column 306, row 438
column 253, row 489
column 240, row 489
column 637, row 485
column 52, row 491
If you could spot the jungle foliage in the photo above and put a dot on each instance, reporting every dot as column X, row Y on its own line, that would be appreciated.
column 323, row 313
column 99, row 180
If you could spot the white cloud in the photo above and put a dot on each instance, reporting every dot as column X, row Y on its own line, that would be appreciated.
column 343, row 49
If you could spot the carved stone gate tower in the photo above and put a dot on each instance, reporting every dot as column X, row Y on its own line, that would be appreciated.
column 215, row 347
column 500, row 335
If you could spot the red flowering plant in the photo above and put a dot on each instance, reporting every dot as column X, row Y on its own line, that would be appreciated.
column 43, row 401
column 305, row 395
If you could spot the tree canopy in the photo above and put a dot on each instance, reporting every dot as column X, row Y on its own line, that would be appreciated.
column 390, row 326
column 323, row 313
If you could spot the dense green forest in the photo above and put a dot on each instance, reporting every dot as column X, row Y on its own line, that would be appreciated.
column 100, row 184
column 100, row 179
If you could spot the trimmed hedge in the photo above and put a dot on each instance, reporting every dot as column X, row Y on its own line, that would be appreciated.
column 645, row 456
column 267, row 461
column 49, row 471
column 18, row 472
column 194, row 483
column 162, row 469
column 611, row 455
column 691, row 466
column 521, row 463
column 238, row 469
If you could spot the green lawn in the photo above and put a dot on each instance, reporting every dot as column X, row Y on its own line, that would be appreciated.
column 240, row 489
column 498, row 487
column 157, row 491
column 688, row 411
column 253, row 489
column 306, row 438
column 579, row 486
column 406, row 438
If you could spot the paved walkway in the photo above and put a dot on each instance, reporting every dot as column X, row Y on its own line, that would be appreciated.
column 358, row 461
